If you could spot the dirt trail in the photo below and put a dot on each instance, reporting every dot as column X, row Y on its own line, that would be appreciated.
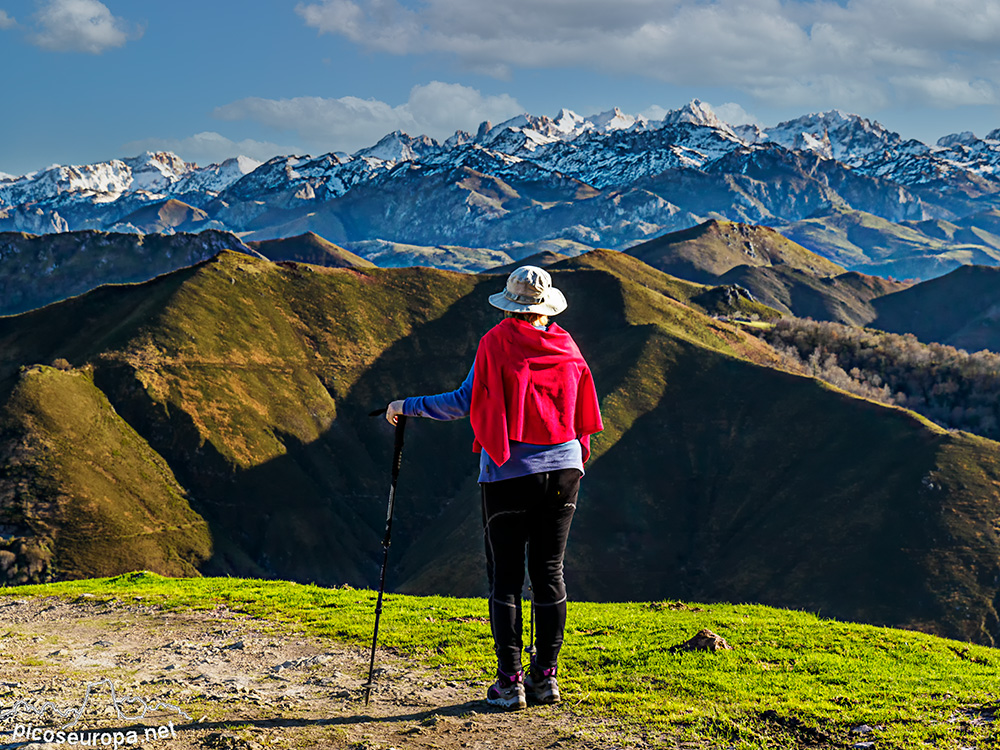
column 224, row 680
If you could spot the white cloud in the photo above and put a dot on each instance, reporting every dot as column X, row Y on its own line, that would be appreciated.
column 209, row 148
column 80, row 26
column 6, row 22
column 347, row 124
column 944, row 91
column 734, row 114
column 441, row 108
column 866, row 52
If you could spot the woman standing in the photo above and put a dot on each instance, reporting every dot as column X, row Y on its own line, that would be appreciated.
column 533, row 406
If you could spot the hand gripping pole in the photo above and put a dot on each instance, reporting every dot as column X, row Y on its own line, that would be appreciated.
column 397, row 459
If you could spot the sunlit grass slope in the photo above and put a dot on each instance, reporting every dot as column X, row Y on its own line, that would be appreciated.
column 705, row 252
column 90, row 494
column 791, row 680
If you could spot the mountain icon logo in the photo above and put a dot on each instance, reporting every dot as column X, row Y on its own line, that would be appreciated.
column 127, row 708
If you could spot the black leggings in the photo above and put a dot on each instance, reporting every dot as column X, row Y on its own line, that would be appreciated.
column 533, row 512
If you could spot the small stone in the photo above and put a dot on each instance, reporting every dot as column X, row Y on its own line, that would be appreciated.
column 705, row 640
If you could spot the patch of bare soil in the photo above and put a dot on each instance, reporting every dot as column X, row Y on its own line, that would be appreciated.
column 151, row 678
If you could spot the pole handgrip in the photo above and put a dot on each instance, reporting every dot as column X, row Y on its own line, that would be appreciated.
column 397, row 458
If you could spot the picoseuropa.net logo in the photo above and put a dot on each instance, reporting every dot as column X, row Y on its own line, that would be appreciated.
column 35, row 729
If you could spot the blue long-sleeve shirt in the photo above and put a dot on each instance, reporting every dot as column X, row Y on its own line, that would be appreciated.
column 525, row 458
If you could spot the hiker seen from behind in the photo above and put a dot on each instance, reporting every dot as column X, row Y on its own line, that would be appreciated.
column 532, row 403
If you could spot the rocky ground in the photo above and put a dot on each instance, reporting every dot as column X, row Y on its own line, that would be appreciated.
column 220, row 679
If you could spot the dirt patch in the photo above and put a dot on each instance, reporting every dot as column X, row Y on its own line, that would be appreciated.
column 219, row 679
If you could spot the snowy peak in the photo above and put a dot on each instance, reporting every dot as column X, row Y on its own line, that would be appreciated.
column 696, row 112
column 613, row 119
column 156, row 171
column 216, row 177
column 149, row 176
column 523, row 134
column 834, row 135
column 398, row 147
column 568, row 121
column 965, row 138
column 527, row 133
column 459, row 139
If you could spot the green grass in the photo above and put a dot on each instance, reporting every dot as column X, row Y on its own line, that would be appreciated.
column 789, row 675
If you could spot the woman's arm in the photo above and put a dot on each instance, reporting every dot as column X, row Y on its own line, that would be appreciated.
column 443, row 406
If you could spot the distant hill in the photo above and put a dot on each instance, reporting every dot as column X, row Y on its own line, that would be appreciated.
column 847, row 298
column 310, row 248
column 776, row 271
column 224, row 410
column 36, row 270
column 981, row 228
column 542, row 259
column 448, row 257
column 909, row 249
column 961, row 309
column 167, row 217
column 707, row 251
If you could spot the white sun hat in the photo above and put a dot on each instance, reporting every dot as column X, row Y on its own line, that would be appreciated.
column 529, row 289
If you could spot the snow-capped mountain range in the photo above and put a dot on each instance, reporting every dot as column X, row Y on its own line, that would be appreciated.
column 610, row 179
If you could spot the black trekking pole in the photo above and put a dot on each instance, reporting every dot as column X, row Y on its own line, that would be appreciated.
column 396, row 460
column 531, row 630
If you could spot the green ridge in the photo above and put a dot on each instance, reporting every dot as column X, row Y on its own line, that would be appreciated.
column 707, row 251
column 718, row 477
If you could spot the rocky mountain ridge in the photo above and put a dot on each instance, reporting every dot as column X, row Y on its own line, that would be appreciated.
column 609, row 180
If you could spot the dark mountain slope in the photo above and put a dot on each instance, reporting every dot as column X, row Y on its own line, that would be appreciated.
column 847, row 298
column 36, row 270
column 717, row 476
column 961, row 309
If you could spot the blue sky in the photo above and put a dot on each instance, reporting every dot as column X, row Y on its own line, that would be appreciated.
column 90, row 80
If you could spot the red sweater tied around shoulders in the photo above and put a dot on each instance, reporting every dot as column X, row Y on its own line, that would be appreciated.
column 531, row 385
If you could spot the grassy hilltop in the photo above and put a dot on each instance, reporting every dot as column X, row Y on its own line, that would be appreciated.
column 776, row 271
column 225, row 409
